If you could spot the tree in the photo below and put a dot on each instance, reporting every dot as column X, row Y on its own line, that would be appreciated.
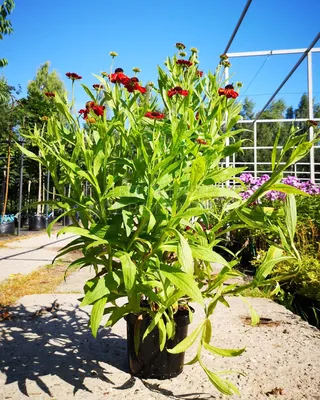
column 303, row 107
column 290, row 113
column 38, row 107
column 9, row 117
column 5, row 25
column 247, row 109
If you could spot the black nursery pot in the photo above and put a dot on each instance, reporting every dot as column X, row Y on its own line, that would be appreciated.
column 150, row 361
column 37, row 222
column 7, row 228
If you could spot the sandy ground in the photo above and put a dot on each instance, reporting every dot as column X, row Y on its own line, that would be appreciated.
column 54, row 356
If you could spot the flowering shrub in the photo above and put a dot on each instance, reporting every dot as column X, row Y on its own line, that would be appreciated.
column 254, row 183
column 142, row 226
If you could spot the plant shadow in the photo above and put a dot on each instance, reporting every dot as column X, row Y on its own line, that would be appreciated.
column 57, row 344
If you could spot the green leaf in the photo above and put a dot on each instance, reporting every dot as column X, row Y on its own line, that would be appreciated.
column 97, row 288
column 223, row 352
column 197, row 171
column 223, row 385
column 207, row 331
column 117, row 314
column 193, row 361
column 255, row 319
column 205, row 192
column 128, row 221
column 291, row 216
column 79, row 231
column 98, row 161
column 282, row 187
column 96, row 315
column 129, row 270
column 272, row 257
column 207, row 254
column 162, row 334
column 182, row 281
column 124, row 191
column 187, row 342
column 185, row 256
column 225, row 174
column 146, row 213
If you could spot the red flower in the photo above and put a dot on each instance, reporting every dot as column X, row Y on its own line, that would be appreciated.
column 312, row 123
column 97, row 86
column 154, row 115
column 98, row 110
column 91, row 106
column 228, row 92
column 201, row 141
column 199, row 73
column 49, row 94
column 73, row 76
column 119, row 77
column 185, row 63
column 84, row 112
column 133, row 84
column 177, row 90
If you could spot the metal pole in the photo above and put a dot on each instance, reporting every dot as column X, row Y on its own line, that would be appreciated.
column 271, row 52
column 20, row 190
column 238, row 25
column 226, row 78
column 310, row 104
column 289, row 74
column 255, row 153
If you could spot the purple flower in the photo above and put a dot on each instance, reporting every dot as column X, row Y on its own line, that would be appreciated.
column 246, row 178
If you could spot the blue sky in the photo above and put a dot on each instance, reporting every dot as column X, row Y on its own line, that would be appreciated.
column 77, row 36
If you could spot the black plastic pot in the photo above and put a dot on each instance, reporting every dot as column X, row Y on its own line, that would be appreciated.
column 37, row 222
column 150, row 362
column 7, row 228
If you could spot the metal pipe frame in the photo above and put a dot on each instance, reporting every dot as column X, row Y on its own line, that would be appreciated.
column 271, row 52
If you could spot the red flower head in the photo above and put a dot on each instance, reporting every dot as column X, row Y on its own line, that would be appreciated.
column 154, row 115
column 133, row 84
column 201, row 141
column 312, row 123
column 199, row 73
column 73, row 76
column 119, row 77
column 180, row 46
column 91, row 106
column 85, row 112
column 49, row 94
column 177, row 90
column 228, row 92
column 97, row 86
column 98, row 110
column 185, row 63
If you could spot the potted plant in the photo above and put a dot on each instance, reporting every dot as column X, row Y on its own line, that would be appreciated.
column 152, row 157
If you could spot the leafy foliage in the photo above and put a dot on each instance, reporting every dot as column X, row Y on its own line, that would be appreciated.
column 5, row 25
column 154, row 183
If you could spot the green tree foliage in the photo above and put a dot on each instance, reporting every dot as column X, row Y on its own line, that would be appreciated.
column 5, row 25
